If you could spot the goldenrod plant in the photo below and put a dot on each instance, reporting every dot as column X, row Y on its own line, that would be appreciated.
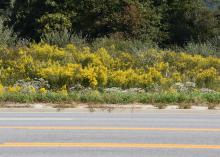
column 70, row 65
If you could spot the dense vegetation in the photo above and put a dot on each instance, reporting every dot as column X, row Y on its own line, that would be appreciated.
column 71, row 65
column 165, row 22
column 41, row 72
column 77, row 49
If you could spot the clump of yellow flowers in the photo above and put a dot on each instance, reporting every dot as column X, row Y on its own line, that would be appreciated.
column 42, row 90
column 2, row 90
column 65, row 67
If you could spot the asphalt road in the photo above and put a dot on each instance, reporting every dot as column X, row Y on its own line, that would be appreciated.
column 100, row 134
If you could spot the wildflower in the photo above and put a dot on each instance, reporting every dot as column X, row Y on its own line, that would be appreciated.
column 1, row 89
column 42, row 90
column 14, row 89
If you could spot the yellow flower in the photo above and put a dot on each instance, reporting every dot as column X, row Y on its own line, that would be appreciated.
column 105, row 67
column 14, row 89
column 89, row 77
column 42, row 90
column 32, row 89
column 63, row 90
column 2, row 90
column 176, row 77
column 206, row 77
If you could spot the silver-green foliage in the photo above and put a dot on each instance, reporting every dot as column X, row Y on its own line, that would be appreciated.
column 207, row 48
column 7, row 37
column 62, row 38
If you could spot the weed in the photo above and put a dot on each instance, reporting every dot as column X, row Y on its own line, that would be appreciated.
column 185, row 106
column 212, row 106
column 160, row 106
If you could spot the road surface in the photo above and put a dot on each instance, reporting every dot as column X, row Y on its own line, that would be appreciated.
column 101, row 134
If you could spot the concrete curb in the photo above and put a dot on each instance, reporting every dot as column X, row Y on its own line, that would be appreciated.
column 44, row 107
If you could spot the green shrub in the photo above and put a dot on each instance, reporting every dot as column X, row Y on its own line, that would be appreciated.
column 113, row 45
column 121, row 98
column 160, row 100
column 17, row 97
column 144, row 98
column 52, row 97
column 91, row 97
column 205, row 49
column 7, row 36
column 213, row 98
column 63, row 38
column 170, row 98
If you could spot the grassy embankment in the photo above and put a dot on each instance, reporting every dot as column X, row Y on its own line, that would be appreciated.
column 160, row 100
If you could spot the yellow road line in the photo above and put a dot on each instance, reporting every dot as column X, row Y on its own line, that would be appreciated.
column 109, row 128
column 109, row 145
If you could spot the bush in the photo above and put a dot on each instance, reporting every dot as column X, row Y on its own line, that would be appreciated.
column 63, row 38
column 205, row 49
column 7, row 36
column 17, row 97
column 114, row 45
column 52, row 97
column 213, row 98
column 171, row 98
column 153, row 70
column 89, row 96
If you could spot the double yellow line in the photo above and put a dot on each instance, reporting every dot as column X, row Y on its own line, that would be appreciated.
column 109, row 128
column 107, row 145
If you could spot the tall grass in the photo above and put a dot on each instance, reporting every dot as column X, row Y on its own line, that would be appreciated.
column 98, row 97
column 7, row 36
column 211, row 47
column 113, row 44
column 62, row 38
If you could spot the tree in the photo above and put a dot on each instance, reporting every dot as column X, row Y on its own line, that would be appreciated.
column 25, row 15
column 91, row 18
column 189, row 20
column 165, row 21
column 5, row 7
column 126, row 18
